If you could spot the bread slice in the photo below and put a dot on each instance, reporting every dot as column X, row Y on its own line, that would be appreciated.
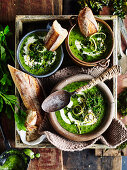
column 29, row 90
column 55, row 36
column 87, row 23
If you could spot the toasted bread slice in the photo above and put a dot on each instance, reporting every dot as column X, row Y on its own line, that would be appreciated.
column 29, row 90
column 55, row 36
column 87, row 23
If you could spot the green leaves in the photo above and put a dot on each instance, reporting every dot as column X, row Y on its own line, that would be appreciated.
column 3, row 53
column 7, row 99
column 20, row 119
column 6, row 85
column 119, row 7
column 6, row 30
column 1, row 104
column 4, row 79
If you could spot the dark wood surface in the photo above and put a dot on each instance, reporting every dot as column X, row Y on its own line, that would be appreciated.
column 51, row 159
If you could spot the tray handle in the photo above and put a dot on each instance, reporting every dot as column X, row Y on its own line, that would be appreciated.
column 73, row 20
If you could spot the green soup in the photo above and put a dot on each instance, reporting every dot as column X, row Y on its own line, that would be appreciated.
column 16, row 161
column 85, row 111
column 35, row 58
column 93, row 48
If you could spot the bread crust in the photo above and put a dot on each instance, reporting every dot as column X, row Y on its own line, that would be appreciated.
column 29, row 90
column 87, row 22
column 55, row 36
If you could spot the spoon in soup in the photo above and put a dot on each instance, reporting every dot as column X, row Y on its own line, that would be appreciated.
column 61, row 98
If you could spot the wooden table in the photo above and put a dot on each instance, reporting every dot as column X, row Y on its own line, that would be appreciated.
column 52, row 159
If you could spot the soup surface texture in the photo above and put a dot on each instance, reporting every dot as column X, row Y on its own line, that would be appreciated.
column 92, row 48
column 85, row 111
column 35, row 58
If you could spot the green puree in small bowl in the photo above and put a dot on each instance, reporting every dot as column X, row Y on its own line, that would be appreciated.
column 15, row 161
column 93, row 48
column 35, row 58
column 85, row 111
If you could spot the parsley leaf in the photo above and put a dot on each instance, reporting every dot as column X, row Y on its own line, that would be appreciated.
column 20, row 119
column 1, row 104
column 3, row 53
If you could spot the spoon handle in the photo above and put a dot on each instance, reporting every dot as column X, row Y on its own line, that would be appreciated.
column 108, row 74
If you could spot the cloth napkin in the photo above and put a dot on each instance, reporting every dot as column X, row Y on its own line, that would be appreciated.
column 115, row 135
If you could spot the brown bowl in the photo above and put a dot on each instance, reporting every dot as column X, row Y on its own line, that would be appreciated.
column 107, row 118
column 103, row 62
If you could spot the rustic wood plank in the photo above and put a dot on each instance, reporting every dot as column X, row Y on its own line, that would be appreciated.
column 9, row 9
column 124, row 152
column 98, row 152
column 111, row 152
column 50, row 159
column 46, row 7
column 112, row 163
column 82, row 160
column 117, row 163
column 107, row 152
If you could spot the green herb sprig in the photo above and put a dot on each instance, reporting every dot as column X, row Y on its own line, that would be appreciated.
column 7, row 98
column 6, row 84
column 119, row 7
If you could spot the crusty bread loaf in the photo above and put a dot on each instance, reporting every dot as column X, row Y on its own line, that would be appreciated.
column 55, row 36
column 87, row 22
column 31, row 117
column 29, row 90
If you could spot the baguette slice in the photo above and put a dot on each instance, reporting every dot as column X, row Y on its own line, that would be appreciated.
column 87, row 23
column 55, row 36
column 29, row 90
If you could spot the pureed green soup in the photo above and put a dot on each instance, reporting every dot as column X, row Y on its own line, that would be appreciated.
column 35, row 58
column 85, row 111
column 92, row 48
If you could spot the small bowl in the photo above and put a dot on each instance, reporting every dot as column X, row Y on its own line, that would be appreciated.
column 106, row 120
column 103, row 62
column 43, row 75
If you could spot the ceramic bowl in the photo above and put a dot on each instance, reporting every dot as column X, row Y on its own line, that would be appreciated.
column 103, row 62
column 43, row 75
column 106, row 120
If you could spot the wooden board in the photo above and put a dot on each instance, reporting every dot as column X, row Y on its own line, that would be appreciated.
column 50, row 159
column 26, row 23
column 9, row 9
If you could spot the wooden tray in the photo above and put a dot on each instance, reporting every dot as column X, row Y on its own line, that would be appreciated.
column 27, row 23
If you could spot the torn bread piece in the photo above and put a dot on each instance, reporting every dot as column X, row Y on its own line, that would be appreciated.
column 55, row 36
column 29, row 90
column 87, row 23
column 31, row 94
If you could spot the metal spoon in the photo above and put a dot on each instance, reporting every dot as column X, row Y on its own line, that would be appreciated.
column 61, row 98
